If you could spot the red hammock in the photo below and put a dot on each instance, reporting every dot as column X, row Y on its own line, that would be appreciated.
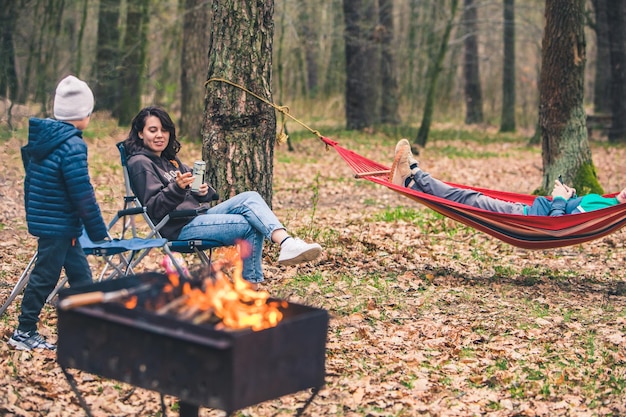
column 530, row 232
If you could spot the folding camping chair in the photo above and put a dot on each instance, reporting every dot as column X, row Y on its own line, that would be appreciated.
column 132, row 205
column 119, row 256
column 130, row 240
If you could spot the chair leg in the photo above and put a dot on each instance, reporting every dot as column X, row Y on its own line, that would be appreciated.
column 117, row 268
column 19, row 286
column 122, row 267
column 56, row 289
column 204, row 258
column 181, row 271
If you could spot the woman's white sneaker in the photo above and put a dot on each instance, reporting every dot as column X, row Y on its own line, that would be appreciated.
column 294, row 251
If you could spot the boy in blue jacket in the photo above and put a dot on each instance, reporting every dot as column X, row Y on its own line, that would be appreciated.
column 405, row 171
column 60, row 202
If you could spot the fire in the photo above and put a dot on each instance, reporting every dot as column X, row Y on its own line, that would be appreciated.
column 131, row 302
column 232, row 300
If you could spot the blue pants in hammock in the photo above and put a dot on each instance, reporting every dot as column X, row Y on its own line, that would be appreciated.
column 542, row 206
column 424, row 182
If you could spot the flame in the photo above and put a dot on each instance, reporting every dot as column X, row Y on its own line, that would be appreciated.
column 131, row 302
column 232, row 299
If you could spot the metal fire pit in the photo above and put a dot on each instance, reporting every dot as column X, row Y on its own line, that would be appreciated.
column 226, row 370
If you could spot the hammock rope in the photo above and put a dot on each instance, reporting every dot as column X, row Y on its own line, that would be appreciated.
column 528, row 232
column 283, row 109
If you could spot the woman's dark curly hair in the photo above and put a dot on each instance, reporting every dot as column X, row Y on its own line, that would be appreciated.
column 134, row 143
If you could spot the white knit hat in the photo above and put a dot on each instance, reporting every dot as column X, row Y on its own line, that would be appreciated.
column 73, row 99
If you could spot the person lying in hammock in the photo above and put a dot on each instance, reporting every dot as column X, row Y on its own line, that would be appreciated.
column 405, row 172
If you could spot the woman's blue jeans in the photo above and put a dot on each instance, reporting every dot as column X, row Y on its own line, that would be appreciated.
column 245, row 216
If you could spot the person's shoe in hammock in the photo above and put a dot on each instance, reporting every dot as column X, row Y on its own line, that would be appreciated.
column 400, row 173
column 413, row 164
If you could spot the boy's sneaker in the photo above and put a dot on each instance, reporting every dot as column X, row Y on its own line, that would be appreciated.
column 29, row 341
column 294, row 251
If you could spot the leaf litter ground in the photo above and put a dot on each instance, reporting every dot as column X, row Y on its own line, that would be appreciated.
column 428, row 317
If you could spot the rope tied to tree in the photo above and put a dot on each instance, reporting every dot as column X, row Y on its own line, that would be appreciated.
column 282, row 136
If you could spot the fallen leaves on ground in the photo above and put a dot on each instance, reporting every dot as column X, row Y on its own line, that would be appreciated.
column 428, row 317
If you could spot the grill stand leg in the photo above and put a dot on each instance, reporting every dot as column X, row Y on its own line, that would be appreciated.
column 81, row 400
column 308, row 402
column 188, row 410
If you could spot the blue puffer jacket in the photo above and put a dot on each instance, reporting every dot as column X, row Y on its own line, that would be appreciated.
column 58, row 194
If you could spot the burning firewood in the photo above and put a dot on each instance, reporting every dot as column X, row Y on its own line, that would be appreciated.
column 220, row 296
column 172, row 305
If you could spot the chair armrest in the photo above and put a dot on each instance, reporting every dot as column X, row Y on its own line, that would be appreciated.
column 176, row 214
column 183, row 213
column 131, row 211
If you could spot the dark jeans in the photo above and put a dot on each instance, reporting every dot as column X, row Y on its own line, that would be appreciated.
column 52, row 255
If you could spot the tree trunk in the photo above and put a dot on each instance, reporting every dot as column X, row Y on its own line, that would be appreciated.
column 280, row 75
column 565, row 148
column 615, row 14
column 8, row 73
column 239, row 131
column 78, row 64
column 33, row 56
column 194, row 63
column 389, row 81
column 602, row 79
column 307, row 19
column 334, row 80
column 507, row 124
column 434, row 70
column 107, row 56
column 471, row 68
column 46, row 74
column 133, row 61
column 362, row 63
column 412, row 60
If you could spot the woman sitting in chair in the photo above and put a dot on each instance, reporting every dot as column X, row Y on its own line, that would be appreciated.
column 162, row 183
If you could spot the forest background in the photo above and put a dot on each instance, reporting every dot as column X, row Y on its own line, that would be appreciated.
column 428, row 316
column 97, row 40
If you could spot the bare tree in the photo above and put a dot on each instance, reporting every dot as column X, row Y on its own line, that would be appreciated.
column 617, row 49
column 46, row 53
column 602, row 78
column 78, row 63
column 335, row 73
column 565, row 148
column 389, row 82
column 307, row 19
column 362, row 63
column 194, row 63
column 8, row 72
column 107, row 55
column 507, row 122
column 132, row 61
column 239, row 131
column 471, row 68
column 434, row 70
